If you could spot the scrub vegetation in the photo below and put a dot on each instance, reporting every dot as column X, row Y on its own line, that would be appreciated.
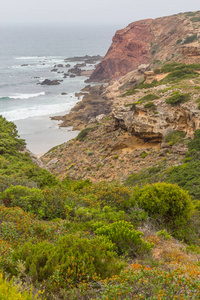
column 79, row 240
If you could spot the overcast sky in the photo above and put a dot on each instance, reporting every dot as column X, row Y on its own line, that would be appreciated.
column 91, row 11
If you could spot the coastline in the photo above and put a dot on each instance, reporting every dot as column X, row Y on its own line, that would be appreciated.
column 46, row 133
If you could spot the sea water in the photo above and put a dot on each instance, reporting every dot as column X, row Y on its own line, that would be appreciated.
column 28, row 53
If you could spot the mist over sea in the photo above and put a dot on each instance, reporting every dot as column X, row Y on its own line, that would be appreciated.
column 28, row 53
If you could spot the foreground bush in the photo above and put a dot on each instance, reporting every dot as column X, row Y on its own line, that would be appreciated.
column 113, row 194
column 71, row 261
column 165, row 202
column 47, row 204
column 10, row 292
column 126, row 238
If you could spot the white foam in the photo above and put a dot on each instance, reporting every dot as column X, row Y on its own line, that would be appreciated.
column 36, row 111
column 26, row 96
column 30, row 57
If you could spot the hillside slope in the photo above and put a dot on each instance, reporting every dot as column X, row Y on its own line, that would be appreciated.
column 172, row 38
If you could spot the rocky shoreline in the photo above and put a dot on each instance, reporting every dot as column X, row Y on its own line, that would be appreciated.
column 94, row 104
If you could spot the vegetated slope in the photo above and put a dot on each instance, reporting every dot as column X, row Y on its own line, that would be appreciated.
column 138, row 132
column 78, row 240
column 172, row 38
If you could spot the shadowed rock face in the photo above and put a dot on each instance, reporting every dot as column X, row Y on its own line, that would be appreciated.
column 148, row 41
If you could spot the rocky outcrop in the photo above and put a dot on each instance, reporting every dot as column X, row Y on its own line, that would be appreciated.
column 94, row 103
column 149, row 41
column 130, row 48
column 190, row 50
column 87, row 59
column 147, row 125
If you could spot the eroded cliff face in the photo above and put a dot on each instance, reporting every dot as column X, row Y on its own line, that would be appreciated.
column 148, row 42
column 150, row 126
column 130, row 48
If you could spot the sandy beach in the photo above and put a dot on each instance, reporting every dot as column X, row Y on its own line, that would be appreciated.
column 45, row 135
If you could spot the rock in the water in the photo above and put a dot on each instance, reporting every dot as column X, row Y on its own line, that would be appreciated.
column 50, row 82
column 87, row 59
column 76, row 71
column 80, row 65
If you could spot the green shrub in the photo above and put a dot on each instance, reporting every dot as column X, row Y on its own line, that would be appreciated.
column 175, row 137
column 190, row 39
column 48, row 204
column 29, row 199
column 83, row 134
column 133, row 105
column 130, row 92
column 195, row 19
column 186, row 176
column 114, row 194
column 178, row 41
column 178, row 98
column 10, row 143
column 148, row 98
column 165, row 202
column 195, row 143
column 150, row 105
column 7, row 181
column 144, row 154
column 10, row 292
column 125, row 237
column 71, row 261
column 164, row 234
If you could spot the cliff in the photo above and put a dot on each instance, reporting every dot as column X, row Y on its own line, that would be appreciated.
column 172, row 38
column 148, row 114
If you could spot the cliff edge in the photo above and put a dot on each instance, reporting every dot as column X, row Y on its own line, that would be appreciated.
column 172, row 38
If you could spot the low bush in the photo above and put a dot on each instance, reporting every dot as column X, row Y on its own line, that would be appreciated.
column 175, row 137
column 191, row 38
column 195, row 143
column 47, row 204
column 125, row 237
column 150, row 105
column 148, row 98
column 10, row 292
column 165, row 202
column 71, row 261
column 114, row 194
column 177, row 98
column 83, row 134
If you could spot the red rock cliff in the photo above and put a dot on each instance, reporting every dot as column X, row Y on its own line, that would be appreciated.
column 147, row 41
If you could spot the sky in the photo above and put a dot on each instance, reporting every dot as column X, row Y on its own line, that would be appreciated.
column 91, row 11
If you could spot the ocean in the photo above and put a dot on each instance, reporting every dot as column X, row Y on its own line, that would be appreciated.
column 28, row 53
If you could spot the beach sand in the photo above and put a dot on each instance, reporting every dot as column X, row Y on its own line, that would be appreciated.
column 41, row 133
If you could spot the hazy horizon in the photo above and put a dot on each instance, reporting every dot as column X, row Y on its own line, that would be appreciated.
column 89, row 12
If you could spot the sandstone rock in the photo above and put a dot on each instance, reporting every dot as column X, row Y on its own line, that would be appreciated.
column 179, row 150
column 190, row 50
column 149, row 126
column 100, row 117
